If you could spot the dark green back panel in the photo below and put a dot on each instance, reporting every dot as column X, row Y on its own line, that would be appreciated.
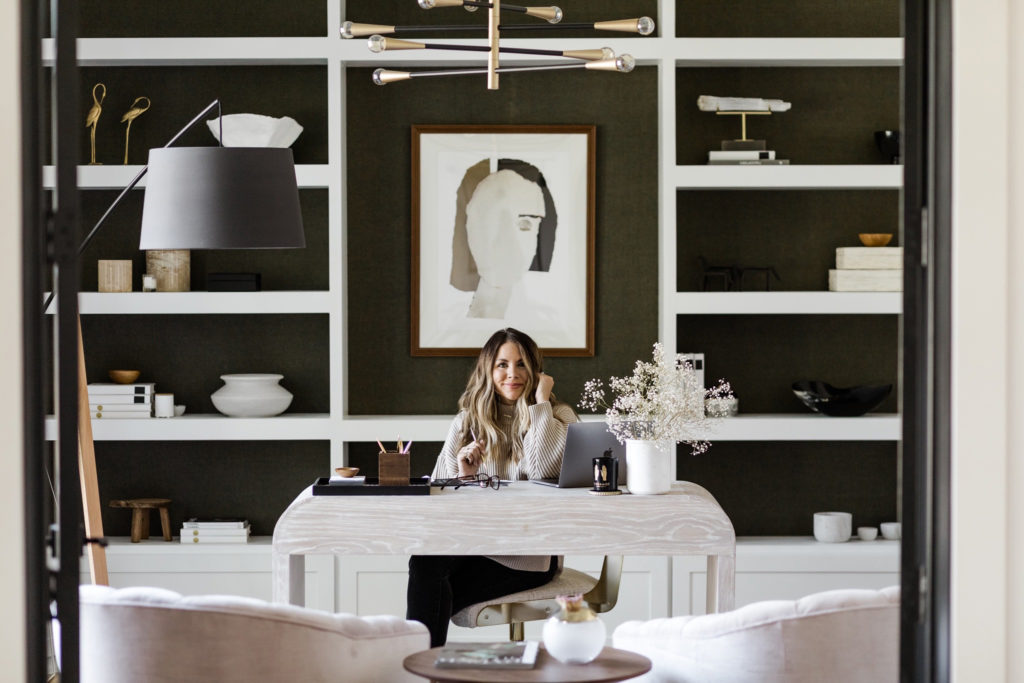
column 202, row 18
column 383, row 377
column 835, row 111
column 787, row 19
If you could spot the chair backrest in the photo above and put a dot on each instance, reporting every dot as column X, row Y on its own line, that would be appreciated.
column 156, row 635
column 840, row 636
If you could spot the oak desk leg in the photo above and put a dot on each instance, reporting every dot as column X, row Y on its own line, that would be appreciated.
column 721, row 584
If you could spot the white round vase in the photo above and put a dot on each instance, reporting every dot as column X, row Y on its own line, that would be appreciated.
column 574, row 642
column 649, row 464
column 251, row 395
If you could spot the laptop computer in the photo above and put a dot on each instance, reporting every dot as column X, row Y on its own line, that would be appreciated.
column 584, row 442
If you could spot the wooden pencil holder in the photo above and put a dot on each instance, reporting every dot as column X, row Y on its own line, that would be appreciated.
column 393, row 468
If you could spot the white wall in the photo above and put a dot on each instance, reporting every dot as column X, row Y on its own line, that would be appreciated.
column 12, row 521
column 1015, row 478
column 987, row 323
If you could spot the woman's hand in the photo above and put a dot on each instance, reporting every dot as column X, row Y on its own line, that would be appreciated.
column 544, row 385
column 469, row 458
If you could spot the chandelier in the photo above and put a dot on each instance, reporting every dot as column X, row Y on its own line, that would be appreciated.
column 600, row 59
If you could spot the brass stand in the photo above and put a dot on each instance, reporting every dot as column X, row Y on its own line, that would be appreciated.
column 743, row 118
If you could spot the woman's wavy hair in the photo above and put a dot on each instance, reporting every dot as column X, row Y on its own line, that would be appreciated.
column 480, row 400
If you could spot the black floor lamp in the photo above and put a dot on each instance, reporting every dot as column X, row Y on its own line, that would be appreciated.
column 196, row 198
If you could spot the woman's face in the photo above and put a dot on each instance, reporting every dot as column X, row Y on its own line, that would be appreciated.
column 509, row 372
column 502, row 221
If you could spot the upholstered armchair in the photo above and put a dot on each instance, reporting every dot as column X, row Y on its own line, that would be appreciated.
column 155, row 635
column 839, row 636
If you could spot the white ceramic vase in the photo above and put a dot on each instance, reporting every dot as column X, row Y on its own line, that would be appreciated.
column 251, row 395
column 649, row 464
column 574, row 642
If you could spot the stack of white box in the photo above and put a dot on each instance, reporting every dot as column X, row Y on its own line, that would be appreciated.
column 867, row 269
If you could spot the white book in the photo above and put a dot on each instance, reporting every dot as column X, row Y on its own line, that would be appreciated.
column 142, row 388
column 120, row 407
column 869, row 258
column 215, row 533
column 889, row 280
column 120, row 415
column 214, row 539
column 740, row 154
column 215, row 523
column 121, row 399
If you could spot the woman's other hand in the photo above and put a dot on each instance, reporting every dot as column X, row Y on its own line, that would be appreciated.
column 470, row 457
column 544, row 385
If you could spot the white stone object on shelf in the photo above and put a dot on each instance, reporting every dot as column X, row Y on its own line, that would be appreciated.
column 255, row 130
column 251, row 395
column 878, row 280
column 713, row 103
column 869, row 258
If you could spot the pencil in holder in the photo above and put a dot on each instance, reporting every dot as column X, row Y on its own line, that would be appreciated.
column 393, row 468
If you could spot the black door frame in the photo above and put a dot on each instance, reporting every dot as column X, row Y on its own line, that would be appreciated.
column 926, row 333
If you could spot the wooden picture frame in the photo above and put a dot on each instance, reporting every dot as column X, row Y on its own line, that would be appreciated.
column 502, row 236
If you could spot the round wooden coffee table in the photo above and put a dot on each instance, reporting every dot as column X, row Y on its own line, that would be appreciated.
column 610, row 665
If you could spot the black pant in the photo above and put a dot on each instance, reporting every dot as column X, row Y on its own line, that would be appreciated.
column 441, row 585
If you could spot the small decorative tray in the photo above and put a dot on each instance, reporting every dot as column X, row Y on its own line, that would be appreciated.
column 418, row 486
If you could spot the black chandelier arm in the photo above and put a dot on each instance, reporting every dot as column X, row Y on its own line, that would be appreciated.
column 381, row 44
column 621, row 64
column 640, row 25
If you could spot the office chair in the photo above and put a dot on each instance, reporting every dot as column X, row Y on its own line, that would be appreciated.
column 539, row 603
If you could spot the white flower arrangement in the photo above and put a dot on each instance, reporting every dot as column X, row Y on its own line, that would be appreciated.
column 662, row 400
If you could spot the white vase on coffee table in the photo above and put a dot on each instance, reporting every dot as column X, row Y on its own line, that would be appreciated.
column 649, row 466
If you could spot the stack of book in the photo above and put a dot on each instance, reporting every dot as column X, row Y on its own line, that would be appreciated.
column 744, row 153
column 121, row 401
column 215, row 530
column 867, row 269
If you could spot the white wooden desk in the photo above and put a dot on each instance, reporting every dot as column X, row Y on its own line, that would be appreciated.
column 521, row 519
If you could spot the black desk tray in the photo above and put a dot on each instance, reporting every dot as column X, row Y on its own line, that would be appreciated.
column 418, row 486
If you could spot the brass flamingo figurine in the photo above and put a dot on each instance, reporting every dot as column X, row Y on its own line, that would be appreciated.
column 137, row 109
column 93, row 117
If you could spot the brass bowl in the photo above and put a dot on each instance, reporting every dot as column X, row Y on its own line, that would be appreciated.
column 875, row 239
column 124, row 376
column 346, row 472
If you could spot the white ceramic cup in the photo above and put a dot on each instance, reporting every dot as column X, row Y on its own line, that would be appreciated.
column 164, row 405
column 867, row 533
column 892, row 530
column 179, row 410
column 833, row 527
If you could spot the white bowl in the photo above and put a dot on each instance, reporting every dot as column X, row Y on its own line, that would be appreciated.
column 255, row 130
column 251, row 395
column 833, row 527
column 891, row 531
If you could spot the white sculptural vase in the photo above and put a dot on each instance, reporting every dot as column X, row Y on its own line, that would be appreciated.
column 251, row 395
column 574, row 642
column 649, row 466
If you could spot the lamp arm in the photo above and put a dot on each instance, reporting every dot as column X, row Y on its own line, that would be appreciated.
column 138, row 177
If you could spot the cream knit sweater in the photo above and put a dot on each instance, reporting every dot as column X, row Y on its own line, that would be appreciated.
column 543, row 445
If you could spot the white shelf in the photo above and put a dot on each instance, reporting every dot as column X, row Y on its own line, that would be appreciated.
column 117, row 177
column 683, row 52
column 787, row 548
column 189, row 303
column 792, row 177
column 752, row 427
column 210, row 427
column 795, row 303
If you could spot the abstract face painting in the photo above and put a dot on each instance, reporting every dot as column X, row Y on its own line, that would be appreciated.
column 505, row 220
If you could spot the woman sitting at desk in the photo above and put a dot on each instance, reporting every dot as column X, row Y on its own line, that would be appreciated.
column 509, row 425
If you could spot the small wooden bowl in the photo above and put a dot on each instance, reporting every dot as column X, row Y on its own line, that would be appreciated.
column 875, row 239
column 124, row 376
column 346, row 472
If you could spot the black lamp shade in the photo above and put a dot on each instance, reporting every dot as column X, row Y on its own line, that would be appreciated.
column 221, row 198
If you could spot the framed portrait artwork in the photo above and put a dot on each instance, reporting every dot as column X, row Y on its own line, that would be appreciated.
column 502, row 236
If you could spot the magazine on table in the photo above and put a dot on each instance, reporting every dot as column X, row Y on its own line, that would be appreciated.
column 520, row 655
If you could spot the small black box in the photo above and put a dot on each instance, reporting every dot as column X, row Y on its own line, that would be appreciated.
column 233, row 282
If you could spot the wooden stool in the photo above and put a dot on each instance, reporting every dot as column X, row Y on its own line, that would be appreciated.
column 140, row 508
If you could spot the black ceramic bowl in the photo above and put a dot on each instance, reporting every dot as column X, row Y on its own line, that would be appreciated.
column 822, row 397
